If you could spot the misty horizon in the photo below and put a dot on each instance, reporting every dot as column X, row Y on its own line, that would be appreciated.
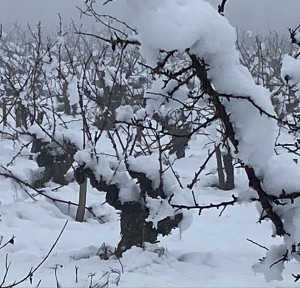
column 257, row 16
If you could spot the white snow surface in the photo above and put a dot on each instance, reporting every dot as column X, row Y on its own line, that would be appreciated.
column 272, row 271
column 214, row 250
column 206, row 252
column 124, row 114
column 275, row 181
column 291, row 68
column 159, row 210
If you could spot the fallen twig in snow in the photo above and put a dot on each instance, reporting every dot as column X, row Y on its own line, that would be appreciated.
column 10, row 241
column 261, row 246
column 32, row 270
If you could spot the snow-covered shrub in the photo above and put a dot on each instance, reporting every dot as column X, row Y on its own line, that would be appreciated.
column 54, row 96
column 244, row 108
column 263, row 56
column 141, row 188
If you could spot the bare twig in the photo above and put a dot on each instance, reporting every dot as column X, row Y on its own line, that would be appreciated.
column 33, row 270
column 261, row 246
column 10, row 241
column 204, row 207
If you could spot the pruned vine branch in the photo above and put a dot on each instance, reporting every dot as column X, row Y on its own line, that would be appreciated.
column 222, row 205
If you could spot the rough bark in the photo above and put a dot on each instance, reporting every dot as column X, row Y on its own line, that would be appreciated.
column 229, row 171
column 55, row 159
column 220, row 168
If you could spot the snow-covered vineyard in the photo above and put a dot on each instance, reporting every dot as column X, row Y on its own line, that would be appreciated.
column 161, row 150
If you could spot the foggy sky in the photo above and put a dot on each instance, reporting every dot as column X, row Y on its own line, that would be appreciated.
column 266, row 15
column 256, row 15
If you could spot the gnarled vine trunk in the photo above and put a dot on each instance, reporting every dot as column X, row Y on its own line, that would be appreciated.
column 135, row 230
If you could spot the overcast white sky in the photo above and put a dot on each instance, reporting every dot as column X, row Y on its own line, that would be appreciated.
column 247, row 14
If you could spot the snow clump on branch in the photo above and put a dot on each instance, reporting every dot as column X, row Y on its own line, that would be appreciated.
column 168, row 25
column 195, row 25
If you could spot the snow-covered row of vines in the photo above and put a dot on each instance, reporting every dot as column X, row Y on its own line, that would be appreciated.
column 196, row 28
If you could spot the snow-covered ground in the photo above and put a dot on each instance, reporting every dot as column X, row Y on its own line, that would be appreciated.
column 214, row 251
